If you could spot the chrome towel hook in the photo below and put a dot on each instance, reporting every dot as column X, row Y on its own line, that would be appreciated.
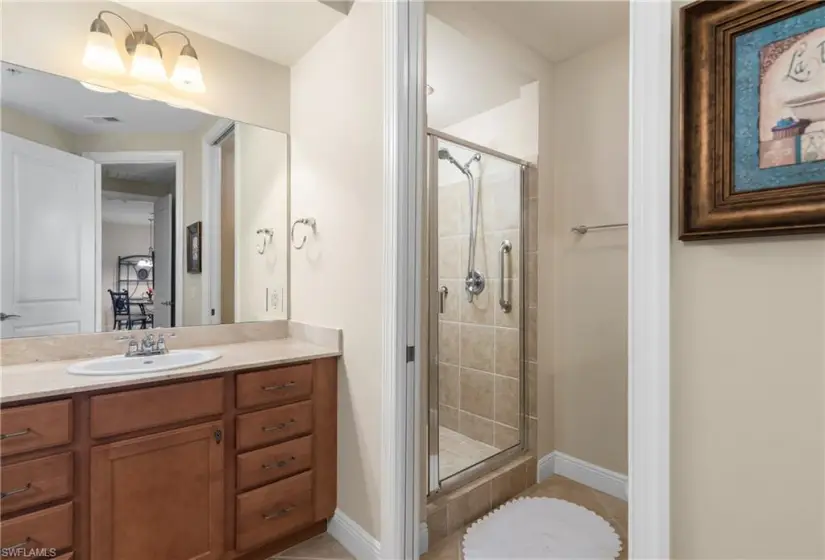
column 307, row 222
column 267, row 233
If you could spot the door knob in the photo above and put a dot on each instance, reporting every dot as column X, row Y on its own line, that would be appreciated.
column 4, row 316
column 166, row 303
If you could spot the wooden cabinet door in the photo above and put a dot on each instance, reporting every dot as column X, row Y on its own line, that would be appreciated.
column 159, row 496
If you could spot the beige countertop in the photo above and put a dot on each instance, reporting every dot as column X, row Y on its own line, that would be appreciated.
column 49, row 379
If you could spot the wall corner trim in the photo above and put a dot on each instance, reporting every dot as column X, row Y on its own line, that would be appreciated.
column 353, row 537
column 594, row 476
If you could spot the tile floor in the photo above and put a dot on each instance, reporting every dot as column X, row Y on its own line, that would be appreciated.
column 324, row 547
column 457, row 452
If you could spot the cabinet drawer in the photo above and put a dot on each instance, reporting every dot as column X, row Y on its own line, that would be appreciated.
column 37, row 426
column 48, row 528
column 274, row 386
column 271, row 512
column 130, row 411
column 35, row 482
column 273, row 425
column 274, row 463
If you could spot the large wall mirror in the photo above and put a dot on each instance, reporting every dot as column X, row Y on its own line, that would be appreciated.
column 123, row 213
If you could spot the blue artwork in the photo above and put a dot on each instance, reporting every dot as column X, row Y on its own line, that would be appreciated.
column 779, row 104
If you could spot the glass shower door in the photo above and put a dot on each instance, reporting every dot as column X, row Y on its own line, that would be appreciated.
column 476, row 387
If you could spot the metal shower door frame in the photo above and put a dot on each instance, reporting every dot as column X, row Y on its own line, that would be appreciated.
column 434, row 483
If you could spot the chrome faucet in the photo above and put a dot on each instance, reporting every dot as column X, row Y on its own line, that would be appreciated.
column 148, row 346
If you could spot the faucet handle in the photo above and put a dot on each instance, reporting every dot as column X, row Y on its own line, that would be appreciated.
column 133, row 344
column 160, row 346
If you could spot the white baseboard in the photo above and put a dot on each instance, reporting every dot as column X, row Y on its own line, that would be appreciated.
column 583, row 472
column 353, row 537
column 423, row 538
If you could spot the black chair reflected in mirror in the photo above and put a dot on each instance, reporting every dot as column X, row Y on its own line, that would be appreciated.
column 125, row 315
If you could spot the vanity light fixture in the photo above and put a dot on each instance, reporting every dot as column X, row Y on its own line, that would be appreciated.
column 101, row 55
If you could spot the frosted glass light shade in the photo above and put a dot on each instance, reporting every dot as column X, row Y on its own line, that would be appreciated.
column 147, row 64
column 187, row 74
column 101, row 54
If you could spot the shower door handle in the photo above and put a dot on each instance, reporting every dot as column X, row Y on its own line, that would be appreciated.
column 442, row 297
column 503, row 301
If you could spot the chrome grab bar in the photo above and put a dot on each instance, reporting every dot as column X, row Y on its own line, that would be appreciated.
column 506, row 304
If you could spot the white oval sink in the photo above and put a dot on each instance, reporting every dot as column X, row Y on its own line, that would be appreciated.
column 121, row 365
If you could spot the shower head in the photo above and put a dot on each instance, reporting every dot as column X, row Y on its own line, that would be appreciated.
column 444, row 153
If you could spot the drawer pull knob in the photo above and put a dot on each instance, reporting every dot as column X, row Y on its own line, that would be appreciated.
column 277, row 427
column 15, row 434
column 278, row 464
column 4, row 495
column 279, row 513
column 286, row 385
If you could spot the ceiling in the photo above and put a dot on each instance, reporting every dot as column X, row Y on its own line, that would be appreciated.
column 281, row 31
column 65, row 103
column 161, row 173
column 559, row 30
column 455, row 63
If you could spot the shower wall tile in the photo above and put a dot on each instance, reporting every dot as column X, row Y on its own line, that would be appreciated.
column 449, row 256
column 477, row 347
column 448, row 343
column 532, row 272
column 477, row 392
column 476, row 427
column 482, row 310
column 531, row 336
column 507, row 400
column 448, row 385
column 450, row 209
column 448, row 417
column 532, row 226
column 532, row 390
column 507, row 346
column 504, row 437
column 500, row 209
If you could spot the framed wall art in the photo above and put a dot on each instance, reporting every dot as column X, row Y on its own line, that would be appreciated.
column 753, row 118
column 193, row 248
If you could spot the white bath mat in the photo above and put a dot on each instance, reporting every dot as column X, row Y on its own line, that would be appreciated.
column 541, row 528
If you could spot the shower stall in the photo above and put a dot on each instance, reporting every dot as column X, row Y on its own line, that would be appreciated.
column 476, row 322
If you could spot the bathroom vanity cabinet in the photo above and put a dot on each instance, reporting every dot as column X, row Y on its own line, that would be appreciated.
column 233, row 466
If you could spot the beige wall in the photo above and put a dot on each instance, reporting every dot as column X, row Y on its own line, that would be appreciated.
column 337, row 178
column 589, row 138
column 747, row 393
column 260, row 202
column 51, row 36
column 25, row 126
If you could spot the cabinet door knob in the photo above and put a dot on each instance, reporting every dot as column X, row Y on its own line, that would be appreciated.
column 218, row 436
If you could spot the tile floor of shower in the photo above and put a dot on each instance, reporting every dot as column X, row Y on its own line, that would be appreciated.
column 613, row 510
column 458, row 452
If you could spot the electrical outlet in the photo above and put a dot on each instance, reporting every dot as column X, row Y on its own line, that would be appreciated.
column 274, row 299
